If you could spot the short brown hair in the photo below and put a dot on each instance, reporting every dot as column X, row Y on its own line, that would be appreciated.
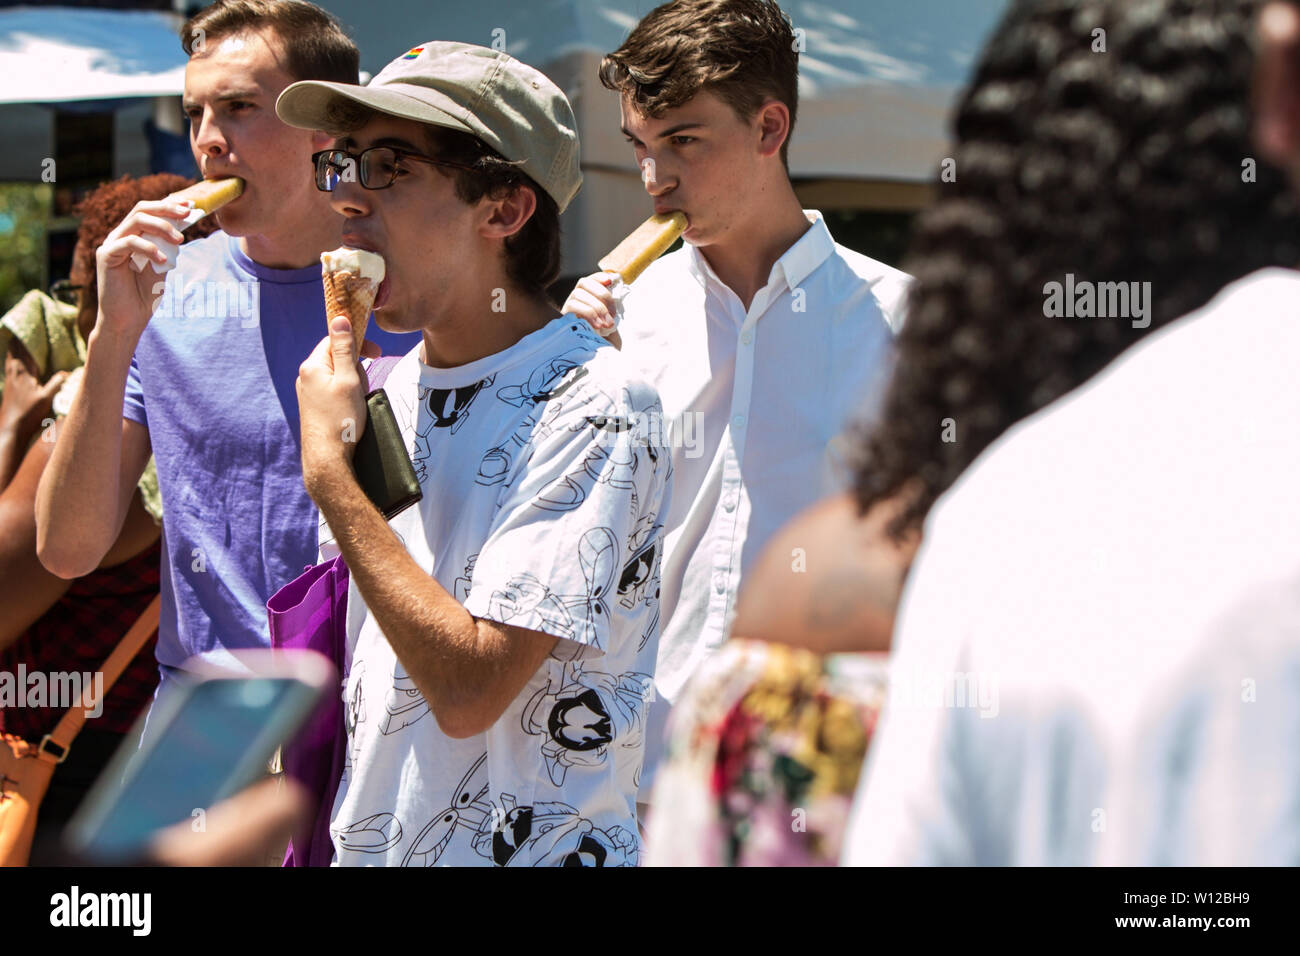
column 533, row 253
column 315, row 46
column 743, row 50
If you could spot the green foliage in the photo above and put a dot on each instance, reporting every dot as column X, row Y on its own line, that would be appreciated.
column 24, row 216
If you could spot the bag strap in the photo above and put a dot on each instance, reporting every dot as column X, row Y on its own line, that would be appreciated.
column 378, row 369
column 127, row 648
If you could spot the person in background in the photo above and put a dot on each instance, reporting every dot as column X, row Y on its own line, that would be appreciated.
column 1123, row 166
column 1116, row 577
column 762, row 335
column 198, row 366
column 52, row 625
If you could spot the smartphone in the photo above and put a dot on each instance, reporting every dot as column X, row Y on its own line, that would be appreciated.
column 213, row 738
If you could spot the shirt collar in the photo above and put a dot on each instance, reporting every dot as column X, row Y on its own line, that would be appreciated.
column 797, row 263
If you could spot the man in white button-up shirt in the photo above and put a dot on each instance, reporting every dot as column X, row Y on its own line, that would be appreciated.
column 764, row 338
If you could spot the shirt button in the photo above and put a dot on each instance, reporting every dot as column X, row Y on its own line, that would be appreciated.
column 747, row 338
column 738, row 421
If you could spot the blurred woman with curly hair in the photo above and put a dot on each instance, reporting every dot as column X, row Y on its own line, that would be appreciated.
column 1104, row 140
column 50, row 625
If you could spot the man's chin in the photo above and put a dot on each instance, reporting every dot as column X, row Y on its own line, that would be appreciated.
column 232, row 223
column 395, row 320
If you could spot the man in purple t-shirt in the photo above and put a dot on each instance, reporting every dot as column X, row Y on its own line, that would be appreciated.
column 204, row 373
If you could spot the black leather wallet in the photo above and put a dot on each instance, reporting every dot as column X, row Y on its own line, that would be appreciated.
column 383, row 468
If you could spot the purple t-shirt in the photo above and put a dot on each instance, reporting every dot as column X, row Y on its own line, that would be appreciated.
column 213, row 381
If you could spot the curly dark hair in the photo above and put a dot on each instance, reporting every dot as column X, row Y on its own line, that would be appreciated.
column 100, row 212
column 1132, row 164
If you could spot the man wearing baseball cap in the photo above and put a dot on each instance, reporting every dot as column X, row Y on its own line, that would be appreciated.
column 517, row 600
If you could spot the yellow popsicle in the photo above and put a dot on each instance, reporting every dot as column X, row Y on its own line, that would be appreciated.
column 211, row 194
column 648, row 242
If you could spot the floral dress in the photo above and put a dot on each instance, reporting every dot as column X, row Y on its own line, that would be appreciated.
column 765, row 748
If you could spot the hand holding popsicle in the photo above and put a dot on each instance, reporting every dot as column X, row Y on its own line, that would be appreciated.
column 598, row 298
column 592, row 300
column 127, row 293
column 203, row 197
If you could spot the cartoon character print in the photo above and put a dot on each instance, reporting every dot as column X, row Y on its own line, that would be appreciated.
column 448, row 408
column 404, row 704
column 354, row 714
column 468, row 809
column 373, row 834
column 582, row 717
column 608, row 460
column 544, row 387
column 560, row 615
column 643, row 567
column 551, row 834
column 547, row 381
column 465, row 582
column 640, row 578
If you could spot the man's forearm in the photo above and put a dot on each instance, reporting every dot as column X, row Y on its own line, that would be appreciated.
column 77, row 505
column 435, row 638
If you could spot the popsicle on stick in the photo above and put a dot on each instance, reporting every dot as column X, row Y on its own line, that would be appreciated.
column 647, row 243
column 208, row 196
column 211, row 194
column 351, row 279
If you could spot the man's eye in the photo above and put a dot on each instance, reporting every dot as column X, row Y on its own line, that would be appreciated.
column 682, row 140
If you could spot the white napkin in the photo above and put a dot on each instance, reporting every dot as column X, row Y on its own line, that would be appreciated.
column 619, row 290
column 139, row 260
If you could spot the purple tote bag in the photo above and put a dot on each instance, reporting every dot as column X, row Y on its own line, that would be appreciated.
column 311, row 612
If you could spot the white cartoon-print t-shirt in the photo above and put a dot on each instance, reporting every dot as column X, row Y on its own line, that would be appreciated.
column 544, row 475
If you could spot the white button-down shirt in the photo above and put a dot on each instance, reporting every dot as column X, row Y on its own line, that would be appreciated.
column 756, row 403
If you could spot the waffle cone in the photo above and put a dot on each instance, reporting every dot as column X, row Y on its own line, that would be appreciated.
column 347, row 293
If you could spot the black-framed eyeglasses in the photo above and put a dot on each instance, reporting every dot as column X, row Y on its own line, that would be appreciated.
column 374, row 168
column 67, row 291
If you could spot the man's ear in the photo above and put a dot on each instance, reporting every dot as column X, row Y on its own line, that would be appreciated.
column 1277, row 85
column 773, row 127
column 507, row 216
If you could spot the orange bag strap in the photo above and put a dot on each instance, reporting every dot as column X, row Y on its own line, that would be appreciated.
column 72, row 721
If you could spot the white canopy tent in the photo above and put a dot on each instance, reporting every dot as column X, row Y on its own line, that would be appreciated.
column 48, row 54
column 51, row 55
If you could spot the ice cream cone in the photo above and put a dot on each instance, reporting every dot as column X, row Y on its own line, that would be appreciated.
column 351, row 279
column 347, row 293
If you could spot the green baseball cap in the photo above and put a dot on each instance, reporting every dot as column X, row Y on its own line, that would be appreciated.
column 510, row 106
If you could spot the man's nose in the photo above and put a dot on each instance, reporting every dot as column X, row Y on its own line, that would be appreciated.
column 209, row 140
column 658, row 180
column 349, row 198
